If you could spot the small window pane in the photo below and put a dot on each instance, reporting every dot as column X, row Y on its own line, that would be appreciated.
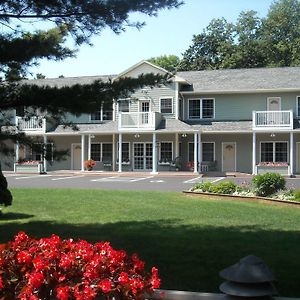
column 123, row 106
column 267, row 152
column 194, row 109
column 281, row 152
column 207, row 108
column 166, row 154
column 207, row 151
column 96, row 116
column 166, row 106
column 95, row 152
column 107, row 152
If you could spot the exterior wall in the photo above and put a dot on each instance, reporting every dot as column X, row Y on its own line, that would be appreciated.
column 240, row 106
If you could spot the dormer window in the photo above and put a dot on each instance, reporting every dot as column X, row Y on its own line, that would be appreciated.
column 201, row 108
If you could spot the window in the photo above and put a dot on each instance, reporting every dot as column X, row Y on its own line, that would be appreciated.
column 40, row 149
column 274, row 152
column 298, row 106
column 123, row 105
column 125, row 152
column 208, row 151
column 101, row 152
column 191, row 151
column 107, row 152
column 166, row 105
column 103, row 114
column 201, row 108
column 166, row 152
column 96, row 152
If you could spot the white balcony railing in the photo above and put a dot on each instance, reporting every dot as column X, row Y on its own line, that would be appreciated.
column 32, row 124
column 139, row 120
column 273, row 119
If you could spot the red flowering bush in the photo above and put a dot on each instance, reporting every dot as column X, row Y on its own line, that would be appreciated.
column 89, row 164
column 52, row 268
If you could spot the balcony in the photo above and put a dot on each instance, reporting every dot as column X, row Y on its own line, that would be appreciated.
column 272, row 120
column 139, row 120
column 31, row 125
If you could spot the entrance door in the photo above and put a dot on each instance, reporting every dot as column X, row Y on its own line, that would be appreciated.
column 274, row 103
column 142, row 154
column 145, row 109
column 229, row 157
column 76, row 156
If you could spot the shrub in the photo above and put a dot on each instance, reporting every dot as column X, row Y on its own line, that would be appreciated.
column 225, row 187
column 52, row 268
column 297, row 195
column 268, row 184
column 203, row 187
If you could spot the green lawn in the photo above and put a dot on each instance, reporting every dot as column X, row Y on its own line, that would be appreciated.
column 189, row 239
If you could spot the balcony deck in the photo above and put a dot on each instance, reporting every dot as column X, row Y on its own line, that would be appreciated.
column 31, row 125
column 272, row 120
column 139, row 120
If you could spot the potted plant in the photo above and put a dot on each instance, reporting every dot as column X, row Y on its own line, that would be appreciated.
column 89, row 164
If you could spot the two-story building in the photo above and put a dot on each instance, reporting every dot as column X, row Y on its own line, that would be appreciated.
column 242, row 120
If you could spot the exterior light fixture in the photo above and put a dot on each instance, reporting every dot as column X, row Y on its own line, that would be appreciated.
column 272, row 135
column 184, row 135
column 136, row 135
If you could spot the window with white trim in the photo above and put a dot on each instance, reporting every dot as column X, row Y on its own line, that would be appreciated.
column 166, row 152
column 125, row 152
column 201, row 108
column 166, row 105
column 208, row 151
column 103, row 114
column 191, row 151
column 123, row 105
column 274, row 152
column 101, row 152
column 40, row 149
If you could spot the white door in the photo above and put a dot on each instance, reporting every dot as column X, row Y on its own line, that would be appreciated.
column 76, row 156
column 274, row 103
column 145, row 109
column 229, row 157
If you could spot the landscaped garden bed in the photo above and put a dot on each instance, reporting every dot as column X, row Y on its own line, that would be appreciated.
column 31, row 166
column 269, row 187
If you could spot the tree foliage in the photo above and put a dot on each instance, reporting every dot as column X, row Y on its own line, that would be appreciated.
column 250, row 42
column 22, row 46
column 167, row 62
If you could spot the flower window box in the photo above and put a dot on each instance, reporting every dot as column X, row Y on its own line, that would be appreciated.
column 31, row 166
column 270, row 167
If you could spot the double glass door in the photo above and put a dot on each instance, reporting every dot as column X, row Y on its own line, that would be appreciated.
column 142, row 156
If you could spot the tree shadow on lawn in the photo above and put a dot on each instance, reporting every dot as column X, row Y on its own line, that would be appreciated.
column 188, row 257
column 14, row 216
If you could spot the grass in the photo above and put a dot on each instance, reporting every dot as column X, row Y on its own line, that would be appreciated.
column 188, row 239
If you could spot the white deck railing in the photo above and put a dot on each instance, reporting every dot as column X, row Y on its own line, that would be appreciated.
column 31, row 124
column 273, row 119
column 138, row 120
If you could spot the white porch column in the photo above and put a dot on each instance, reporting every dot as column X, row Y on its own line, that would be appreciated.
column 17, row 151
column 114, row 152
column 45, row 152
column 82, row 151
column 254, row 153
column 195, row 154
column 176, row 100
column 176, row 145
column 291, row 153
column 120, row 152
column 199, row 151
column 154, row 154
column 89, row 147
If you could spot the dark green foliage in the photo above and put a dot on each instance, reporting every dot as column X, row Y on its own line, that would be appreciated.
column 203, row 186
column 297, row 195
column 168, row 62
column 225, row 187
column 251, row 42
column 5, row 195
column 268, row 184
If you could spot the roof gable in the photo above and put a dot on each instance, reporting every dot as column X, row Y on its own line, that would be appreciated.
column 143, row 67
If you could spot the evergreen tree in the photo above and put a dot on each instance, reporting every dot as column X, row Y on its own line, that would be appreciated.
column 21, row 48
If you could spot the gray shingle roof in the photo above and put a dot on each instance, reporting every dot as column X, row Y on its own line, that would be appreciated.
column 173, row 125
column 243, row 79
column 224, row 126
column 69, row 81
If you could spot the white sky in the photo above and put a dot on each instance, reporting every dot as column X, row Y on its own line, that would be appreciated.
column 169, row 33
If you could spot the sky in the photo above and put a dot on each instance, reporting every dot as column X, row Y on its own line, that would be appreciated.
column 171, row 32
